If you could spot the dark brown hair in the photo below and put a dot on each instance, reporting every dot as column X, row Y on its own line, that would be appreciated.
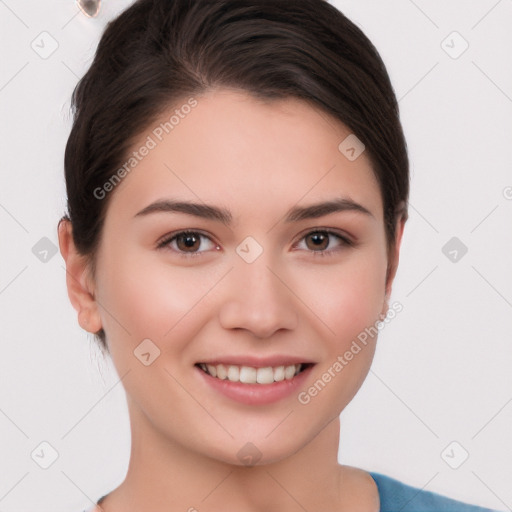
column 157, row 52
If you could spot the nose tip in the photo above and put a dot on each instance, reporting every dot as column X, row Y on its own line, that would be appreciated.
column 257, row 300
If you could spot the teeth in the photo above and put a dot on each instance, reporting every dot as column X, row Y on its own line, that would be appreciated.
column 211, row 370
column 266, row 375
column 234, row 373
column 222, row 373
column 279, row 374
column 289, row 372
column 250, row 375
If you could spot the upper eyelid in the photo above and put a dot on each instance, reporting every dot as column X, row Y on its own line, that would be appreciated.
column 166, row 239
column 332, row 231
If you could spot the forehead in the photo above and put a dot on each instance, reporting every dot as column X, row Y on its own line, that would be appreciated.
column 227, row 147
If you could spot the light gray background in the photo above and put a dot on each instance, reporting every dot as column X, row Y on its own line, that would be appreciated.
column 442, row 368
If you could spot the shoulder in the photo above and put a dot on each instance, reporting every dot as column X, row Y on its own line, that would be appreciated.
column 363, row 494
column 395, row 495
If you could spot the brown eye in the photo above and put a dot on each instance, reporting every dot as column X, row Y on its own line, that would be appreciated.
column 319, row 240
column 323, row 242
column 187, row 243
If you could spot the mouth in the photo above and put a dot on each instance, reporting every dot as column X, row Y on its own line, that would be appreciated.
column 252, row 375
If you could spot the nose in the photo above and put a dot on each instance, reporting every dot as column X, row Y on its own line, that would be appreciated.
column 258, row 299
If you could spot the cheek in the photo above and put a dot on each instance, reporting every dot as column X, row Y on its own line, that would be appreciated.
column 150, row 299
column 348, row 297
column 348, row 300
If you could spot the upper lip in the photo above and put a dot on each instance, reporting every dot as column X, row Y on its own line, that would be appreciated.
column 257, row 361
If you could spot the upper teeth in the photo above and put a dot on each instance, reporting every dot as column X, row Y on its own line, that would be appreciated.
column 250, row 375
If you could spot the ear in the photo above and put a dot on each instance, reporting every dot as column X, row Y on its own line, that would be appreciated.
column 78, row 280
column 394, row 258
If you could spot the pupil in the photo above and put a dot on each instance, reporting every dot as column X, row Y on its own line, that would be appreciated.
column 319, row 239
column 189, row 241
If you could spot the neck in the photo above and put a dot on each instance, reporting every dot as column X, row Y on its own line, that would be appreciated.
column 163, row 474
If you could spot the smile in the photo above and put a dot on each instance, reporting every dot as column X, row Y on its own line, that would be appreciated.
column 251, row 375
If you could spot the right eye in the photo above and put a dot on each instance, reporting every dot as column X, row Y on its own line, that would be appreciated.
column 186, row 243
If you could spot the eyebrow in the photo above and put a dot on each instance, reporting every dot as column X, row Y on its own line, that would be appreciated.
column 295, row 214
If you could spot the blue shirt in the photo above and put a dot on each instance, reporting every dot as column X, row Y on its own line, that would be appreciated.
column 398, row 497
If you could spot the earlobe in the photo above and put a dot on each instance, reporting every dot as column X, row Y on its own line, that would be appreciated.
column 78, row 282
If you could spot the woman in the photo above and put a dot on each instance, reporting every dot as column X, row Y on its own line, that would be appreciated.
column 237, row 182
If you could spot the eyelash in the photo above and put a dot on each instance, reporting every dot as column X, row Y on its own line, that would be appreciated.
column 345, row 242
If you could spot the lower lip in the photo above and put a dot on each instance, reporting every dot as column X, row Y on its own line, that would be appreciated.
column 257, row 394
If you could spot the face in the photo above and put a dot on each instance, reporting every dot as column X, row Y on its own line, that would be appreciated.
column 261, row 280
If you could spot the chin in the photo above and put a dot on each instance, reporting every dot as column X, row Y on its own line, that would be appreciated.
column 259, row 452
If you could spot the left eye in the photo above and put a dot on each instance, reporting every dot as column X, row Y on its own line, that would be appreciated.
column 320, row 241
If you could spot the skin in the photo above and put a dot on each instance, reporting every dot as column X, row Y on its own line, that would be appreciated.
column 257, row 160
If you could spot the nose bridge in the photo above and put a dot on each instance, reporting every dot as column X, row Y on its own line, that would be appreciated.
column 257, row 299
